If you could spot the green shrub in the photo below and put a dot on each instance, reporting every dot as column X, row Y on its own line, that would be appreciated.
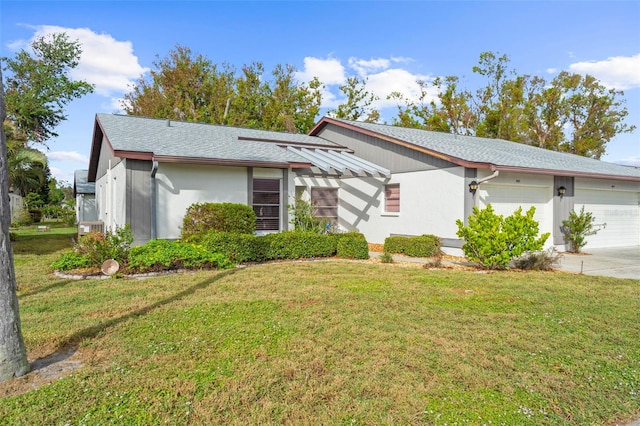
column 352, row 245
column 386, row 257
column 36, row 215
column 161, row 255
column 539, row 260
column 201, row 218
column 299, row 244
column 303, row 218
column 419, row 246
column 493, row 241
column 21, row 218
column 238, row 248
column 98, row 247
column 72, row 260
column 577, row 228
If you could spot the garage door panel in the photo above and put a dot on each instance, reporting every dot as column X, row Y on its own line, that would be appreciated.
column 506, row 199
column 619, row 210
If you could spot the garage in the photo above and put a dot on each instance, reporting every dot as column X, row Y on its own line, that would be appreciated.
column 506, row 199
column 617, row 215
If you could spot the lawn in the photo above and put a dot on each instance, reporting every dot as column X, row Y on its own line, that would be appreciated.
column 327, row 342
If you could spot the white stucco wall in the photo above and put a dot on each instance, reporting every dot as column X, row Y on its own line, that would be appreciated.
column 430, row 202
column 86, row 208
column 179, row 186
column 111, row 197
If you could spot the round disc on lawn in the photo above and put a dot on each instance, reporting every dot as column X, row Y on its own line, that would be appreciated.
column 110, row 267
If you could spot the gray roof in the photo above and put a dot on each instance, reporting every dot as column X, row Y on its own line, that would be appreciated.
column 81, row 185
column 497, row 152
column 170, row 140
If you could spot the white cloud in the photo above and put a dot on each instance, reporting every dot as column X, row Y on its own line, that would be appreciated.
column 365, row 67
column 383, row 76
column 617, row 72
column 62, row 176
column 382, row 84
column 629, row 161
column 68, row 156
column 552, row 70
column 329, row 71
column 105, row 62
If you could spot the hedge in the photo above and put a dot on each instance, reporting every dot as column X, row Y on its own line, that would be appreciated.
column 285, row 245
column 201, row 218
column 420, row 246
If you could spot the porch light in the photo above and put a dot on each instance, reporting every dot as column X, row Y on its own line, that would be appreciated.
column 473, row 186
column 561, row 191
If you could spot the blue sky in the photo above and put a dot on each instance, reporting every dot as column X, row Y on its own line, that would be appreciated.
column 392, row 43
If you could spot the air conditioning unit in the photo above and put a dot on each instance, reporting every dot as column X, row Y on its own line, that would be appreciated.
column 92, row 226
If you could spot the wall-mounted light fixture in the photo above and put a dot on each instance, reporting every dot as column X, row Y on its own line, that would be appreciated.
column 561, row 191
column 473, row 187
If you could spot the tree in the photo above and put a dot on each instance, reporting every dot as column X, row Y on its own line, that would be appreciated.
column 13, row 354
column 358, row 102
column 38, row 88
column 189, row 87
column 571, row 113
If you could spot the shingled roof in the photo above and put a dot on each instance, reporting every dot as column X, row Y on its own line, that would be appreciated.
column 179, row 141
column 495, row 154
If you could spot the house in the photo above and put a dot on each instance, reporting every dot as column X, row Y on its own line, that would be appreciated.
column 85, row 194
column 380, row 180
column 16, row 206
column 439, row 177
column 147, row 172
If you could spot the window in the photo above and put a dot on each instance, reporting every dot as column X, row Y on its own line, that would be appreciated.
column 266, row 204
column 392, row 198
column 325, row 201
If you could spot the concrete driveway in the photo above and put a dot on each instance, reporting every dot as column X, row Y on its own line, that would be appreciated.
column 619, row 262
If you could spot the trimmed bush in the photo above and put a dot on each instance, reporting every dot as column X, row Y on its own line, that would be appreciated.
column 352, row 245
column 238, row 248
column 419, row 246
column 493, row 241
column 299, row 245
column 201, row 218
column 162, row 255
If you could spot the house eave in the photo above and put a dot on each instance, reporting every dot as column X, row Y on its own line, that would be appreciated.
column 566, row 173
column 222, row 162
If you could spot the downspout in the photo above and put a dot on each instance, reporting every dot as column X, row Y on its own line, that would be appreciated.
column 154, row 170
column 479, row 181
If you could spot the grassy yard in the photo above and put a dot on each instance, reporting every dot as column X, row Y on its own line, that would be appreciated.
column 328, row 342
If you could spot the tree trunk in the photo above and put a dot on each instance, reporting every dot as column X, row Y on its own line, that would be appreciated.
column 13, row 354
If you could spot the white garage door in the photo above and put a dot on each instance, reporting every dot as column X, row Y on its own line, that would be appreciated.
column 620, row 211
column 505, row 199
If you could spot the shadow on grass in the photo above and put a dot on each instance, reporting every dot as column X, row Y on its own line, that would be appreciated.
column 95, row 330
column 47, row 288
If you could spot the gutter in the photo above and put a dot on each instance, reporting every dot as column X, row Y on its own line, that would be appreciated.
column 483, row 180
column 154, row 170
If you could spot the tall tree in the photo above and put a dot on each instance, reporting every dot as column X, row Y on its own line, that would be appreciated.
column 38, row 88
column 358, row 102
column 189, row 87
column 572, row 113
column 13, row 354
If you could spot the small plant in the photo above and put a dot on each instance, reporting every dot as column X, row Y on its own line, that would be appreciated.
column 386, row 257
column 493, row 241
column 303, row 218
column 98, row 247
column 547, row 260
column 577, row 228
column 71, row 260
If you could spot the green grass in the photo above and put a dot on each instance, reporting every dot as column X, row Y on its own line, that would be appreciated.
column 331, row 342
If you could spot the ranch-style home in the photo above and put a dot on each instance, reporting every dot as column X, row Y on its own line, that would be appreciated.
column 380, row 180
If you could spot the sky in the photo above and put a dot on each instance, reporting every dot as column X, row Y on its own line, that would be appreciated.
column 391, row 43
